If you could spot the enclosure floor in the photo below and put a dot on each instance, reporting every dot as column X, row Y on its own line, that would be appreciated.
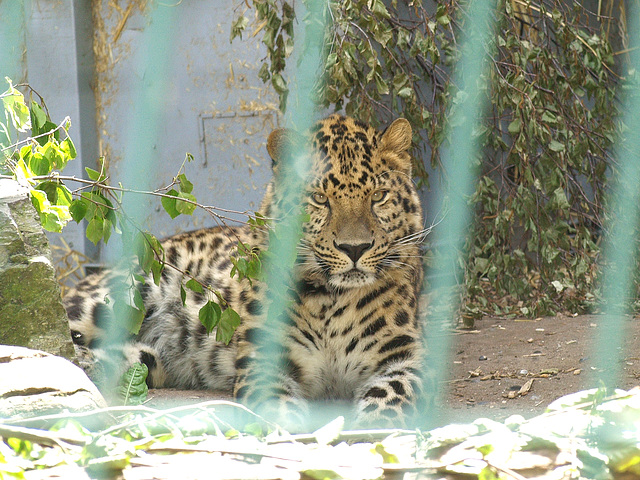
column 500, row 356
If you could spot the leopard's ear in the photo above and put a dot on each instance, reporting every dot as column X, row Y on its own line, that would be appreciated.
column 397, row 136
column 275, row 143
column 282, row 142
column 395, row 142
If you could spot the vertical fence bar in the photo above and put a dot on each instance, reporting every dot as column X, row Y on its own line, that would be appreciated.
column 621, row 247
column 459, row 167
column 148, row 102
column 12, row 44
column 12, row 22
column 299, row 117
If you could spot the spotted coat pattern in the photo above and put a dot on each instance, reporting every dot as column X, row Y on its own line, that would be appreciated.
column 351, row 333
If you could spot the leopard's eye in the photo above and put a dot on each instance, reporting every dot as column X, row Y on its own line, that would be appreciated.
column 320, row 198
column 378, row 196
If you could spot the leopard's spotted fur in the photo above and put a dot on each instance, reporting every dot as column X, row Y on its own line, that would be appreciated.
column 352, row 331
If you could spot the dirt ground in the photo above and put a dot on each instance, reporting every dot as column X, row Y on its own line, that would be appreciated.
column 493, row 363
column 507, row 366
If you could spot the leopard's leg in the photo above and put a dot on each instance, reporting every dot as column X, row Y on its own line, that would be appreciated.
column 266, row 380
column 390, row 397
column 104, row 364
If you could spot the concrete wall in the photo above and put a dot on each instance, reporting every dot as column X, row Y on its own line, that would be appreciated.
column 85, row 58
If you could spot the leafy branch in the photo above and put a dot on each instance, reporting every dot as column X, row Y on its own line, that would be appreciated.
column 36, row 162
column 98, row 183
column 551, row 84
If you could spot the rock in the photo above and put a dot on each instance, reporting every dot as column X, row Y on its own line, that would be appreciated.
column 34, row 382
column 31, row 311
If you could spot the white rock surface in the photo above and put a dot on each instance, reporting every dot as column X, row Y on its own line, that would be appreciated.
column 33, row 382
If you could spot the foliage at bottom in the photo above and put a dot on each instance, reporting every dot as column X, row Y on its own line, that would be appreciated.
column 585, row 435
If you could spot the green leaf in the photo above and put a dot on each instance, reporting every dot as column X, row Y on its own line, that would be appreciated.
column 138, row 301
column 485, row 449
column 185, row 185
column 49, row 126
column 549, row 117
column 379, row 8
column 144, row 252
column 229, row 322
column 257, row 221
column 63, row 195
column 406, row 92
column 95, row 230
column 98, row 206
column 238, row 26
column 264, row 73
column 183, row 295
column 39, row 164
column 68, row 148
column 56, row 218
column 442, row 16
column 556, row 146
column 169, row 203
column 15, row 107
column 279, row 83
column 92, row 174
column 78, row 210
column 319, row 474
column 487, row 473
column 515, row 126
column 560, row 199
column 156, row 270
column 52, row 217
column 128, row 316
column 254, row 429
column 381, row 85
column 133, row 388
column 194, row 286
column 254, row 268
column 55, row 156
column 240, row 266
column 184, row 207
column 38, row 118
column 386, row 456
column 57, row 193
column 210, row 315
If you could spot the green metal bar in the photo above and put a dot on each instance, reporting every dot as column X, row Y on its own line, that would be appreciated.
column 621, row 247
column 12, row 42
column 149, row 104
column 148, row 111
column 460, row 172
column 299, row 117
column 12, row 21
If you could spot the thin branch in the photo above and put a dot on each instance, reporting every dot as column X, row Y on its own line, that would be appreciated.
column 98, row 184
column 40, row 436
column 31, row 139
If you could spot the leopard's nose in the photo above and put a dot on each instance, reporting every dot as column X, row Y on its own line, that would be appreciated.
column 354, row 252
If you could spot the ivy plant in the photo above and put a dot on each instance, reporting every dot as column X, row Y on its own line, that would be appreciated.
column 551, row 85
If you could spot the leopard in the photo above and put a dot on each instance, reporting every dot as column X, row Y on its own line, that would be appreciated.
column 351, row 332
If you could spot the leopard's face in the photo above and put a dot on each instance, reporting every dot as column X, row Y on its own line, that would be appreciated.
column 364, row 211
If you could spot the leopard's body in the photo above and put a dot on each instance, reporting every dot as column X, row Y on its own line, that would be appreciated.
column 352, row 330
